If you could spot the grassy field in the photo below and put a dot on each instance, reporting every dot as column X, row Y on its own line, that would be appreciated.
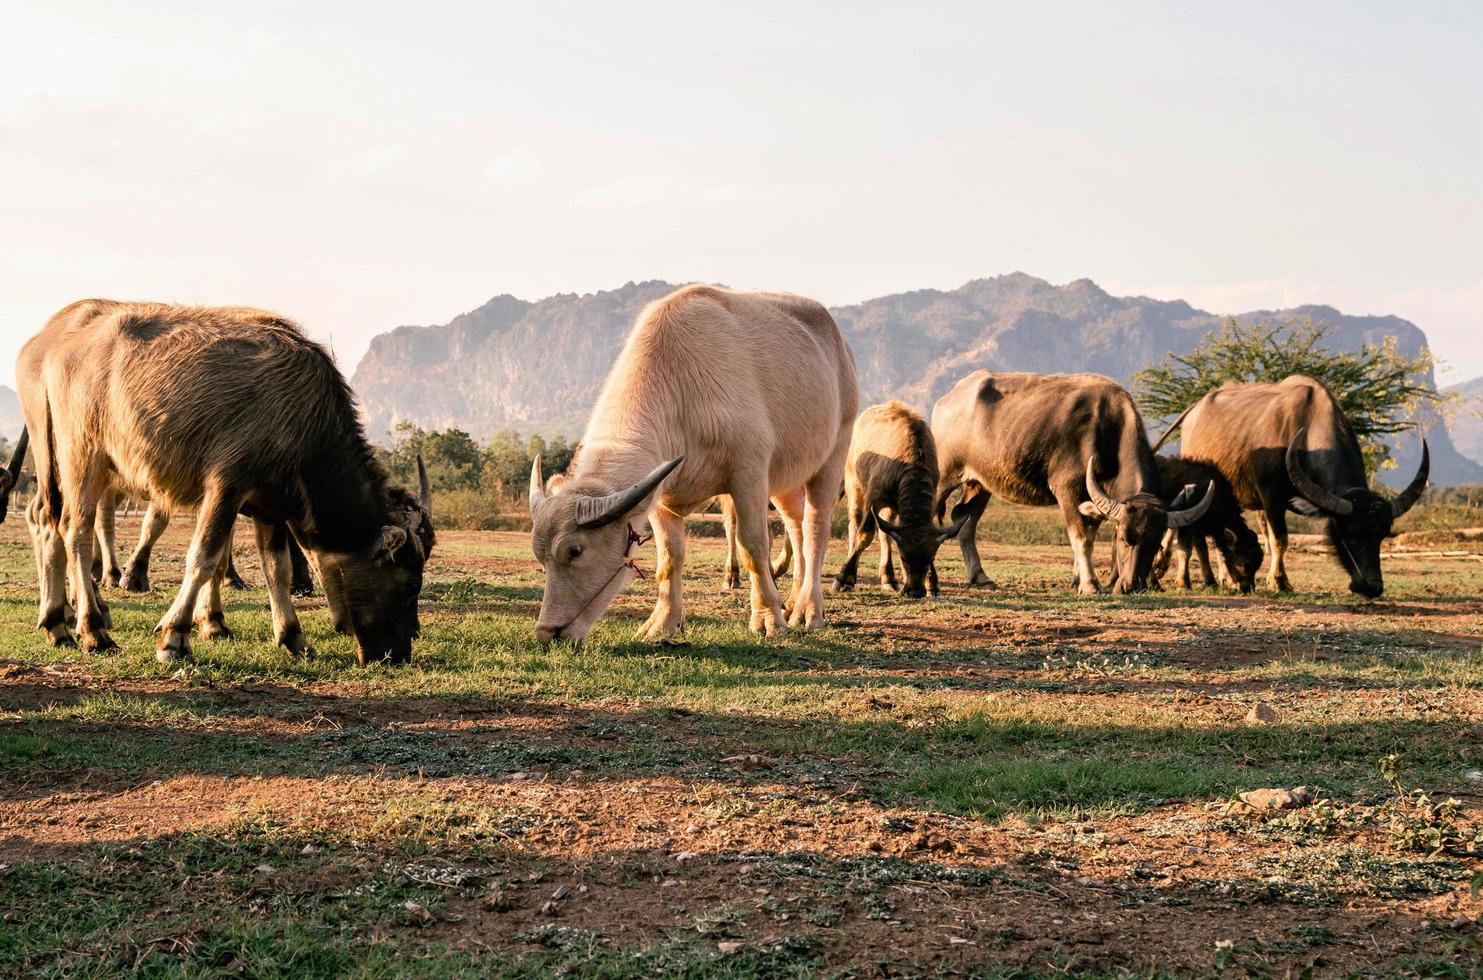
column 1019, row 783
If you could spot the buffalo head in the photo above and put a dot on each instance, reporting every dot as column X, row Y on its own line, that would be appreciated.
column 918, row 546
column 1141, row 522
column 372, row 592
column 1356, row 519
column 584, row 541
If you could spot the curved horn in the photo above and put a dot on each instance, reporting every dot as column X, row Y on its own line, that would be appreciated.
column 593, row 512
column 1114, row 509
column 1188, row 516
column 961, row 514
column 1407, row 498
column 886, row 526
column 537, row 486
column 424, row 488
column 1316, row 495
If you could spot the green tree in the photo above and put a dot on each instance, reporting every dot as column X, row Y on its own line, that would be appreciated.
column 1380, row 390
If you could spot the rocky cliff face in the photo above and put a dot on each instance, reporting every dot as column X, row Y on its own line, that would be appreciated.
column 11, row 419
column 1466, row 422
column 538, row 366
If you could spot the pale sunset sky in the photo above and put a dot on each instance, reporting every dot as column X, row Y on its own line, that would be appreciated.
column 363, row 165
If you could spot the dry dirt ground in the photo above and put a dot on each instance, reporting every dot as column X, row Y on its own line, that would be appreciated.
column 1019, row 782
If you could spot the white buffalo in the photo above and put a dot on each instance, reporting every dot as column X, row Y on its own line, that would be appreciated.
column 716, row 392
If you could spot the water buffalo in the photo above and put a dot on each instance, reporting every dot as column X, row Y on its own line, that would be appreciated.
column 1237, row 545
column 1073, row 440
column 892, row 469
column 1287, row 446
column 715, row 392
column 225, row 410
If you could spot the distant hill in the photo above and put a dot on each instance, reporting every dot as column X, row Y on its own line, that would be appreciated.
column 537, row 366
column 11, row 419
column 1466, row 423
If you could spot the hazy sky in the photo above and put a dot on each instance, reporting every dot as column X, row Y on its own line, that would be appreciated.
column 364, row 165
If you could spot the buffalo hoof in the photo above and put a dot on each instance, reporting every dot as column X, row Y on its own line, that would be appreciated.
column 301, row 590
column 1088, row 588
column 296, row 644
column 982, row 581
column 731, row 578
column 96, row 641
column 213, row 628
column 136, row 580
column 173, row 647
column 806, row 614
column 843, row 584
column 59, row 635
column 889, row 587
column 768, row 622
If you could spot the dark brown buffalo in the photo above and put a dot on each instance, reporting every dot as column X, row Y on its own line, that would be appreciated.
column 1288, row 446
column 223, row 410
column 1071, row 440
column 1180, row 481
column 892, row 469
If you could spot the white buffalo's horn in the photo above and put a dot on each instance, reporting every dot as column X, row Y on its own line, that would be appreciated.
column 1407, row 498
column 1188, row 516
column 1114, row 509
column 537, row 486
column 594, row 512
column 1316, row 495
column 424, row 488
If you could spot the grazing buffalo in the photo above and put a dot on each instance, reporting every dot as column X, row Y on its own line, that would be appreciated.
column 1237, row 545
column 892, row 470
column 715, row 392
column 1073, row 440
column 223, row 410
column 1287, row 446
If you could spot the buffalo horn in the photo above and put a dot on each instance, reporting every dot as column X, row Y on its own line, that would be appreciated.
column 1188, row 516
column 537, row 486
column 1407, row 498
column 1114, row 509
column 1316, row 495
column 594, row 512
column 424, row 488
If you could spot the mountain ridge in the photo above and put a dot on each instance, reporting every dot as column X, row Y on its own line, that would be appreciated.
column 493, row 367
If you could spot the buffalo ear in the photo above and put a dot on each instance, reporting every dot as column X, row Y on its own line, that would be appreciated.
column 1304, row 506
column 392, row 538
column 1089, row 509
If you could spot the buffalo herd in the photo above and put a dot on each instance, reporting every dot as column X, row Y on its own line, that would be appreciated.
column 747, row 398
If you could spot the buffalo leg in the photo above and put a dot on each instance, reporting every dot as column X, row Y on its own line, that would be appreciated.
column 210, row 614
column 668, row 616
column 51, row 577
column 233, row 577
column 887, row 573
column 977, row 498
column 862, row 532
column 1082, row 532
column 213, row 535
column 300, row 581
column 81, row 481
column 1277, row 542
column 750, row 500
column 820, row 495
column 1201, row 548
column 731, row 575
column 784, row 561
column 932, row 586
column 136, row 572
column 105, row 561
column 791, row 507
column 273, row 545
